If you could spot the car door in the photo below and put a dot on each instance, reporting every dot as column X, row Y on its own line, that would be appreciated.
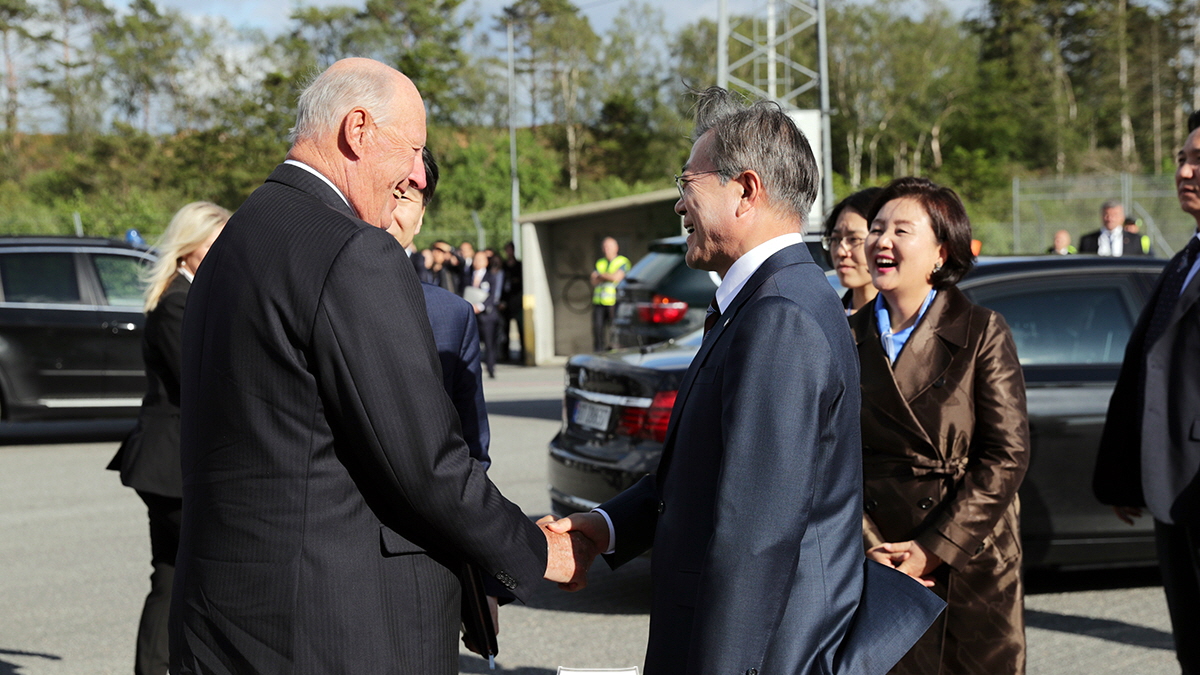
column 1070, row 330
column 118, row 276
column 51, row 342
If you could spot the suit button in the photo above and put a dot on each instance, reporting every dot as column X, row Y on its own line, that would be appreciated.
column 925, row 504
column 752, row 671
column 940, row 382
column 662, row 506
column 870, row 505
column 506, row 579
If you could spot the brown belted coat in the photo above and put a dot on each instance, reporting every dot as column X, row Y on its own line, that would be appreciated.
column 945, row 446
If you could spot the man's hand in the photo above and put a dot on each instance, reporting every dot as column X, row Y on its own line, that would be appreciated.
column 1127, row 513
column 908, row 557
column 569, row 555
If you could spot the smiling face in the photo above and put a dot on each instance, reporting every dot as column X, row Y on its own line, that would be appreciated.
column 1187, row 176
column 407, row 215
column 709, row 211
column 849, row 256
column 902, row 249
column 390, row 157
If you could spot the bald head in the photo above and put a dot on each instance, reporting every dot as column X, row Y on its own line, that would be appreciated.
column 361, row 124
column 383, row 91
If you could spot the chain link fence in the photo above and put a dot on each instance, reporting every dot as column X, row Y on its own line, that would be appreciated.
column 1043, row 206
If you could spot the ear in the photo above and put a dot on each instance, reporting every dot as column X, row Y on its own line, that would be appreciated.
column 356, row 130
column 752, row 191
column 420, row 222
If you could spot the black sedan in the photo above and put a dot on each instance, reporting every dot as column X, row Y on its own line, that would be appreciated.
column 1070, row 317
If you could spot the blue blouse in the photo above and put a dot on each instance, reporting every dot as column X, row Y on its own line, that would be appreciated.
column 894, row 342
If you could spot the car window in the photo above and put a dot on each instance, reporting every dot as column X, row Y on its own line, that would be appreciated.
column 39, row 277
column 119, row 279
column 1073, row 324
column 653, row 268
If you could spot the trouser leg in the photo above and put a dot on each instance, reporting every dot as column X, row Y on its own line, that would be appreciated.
column 152, row 654
column 1179, row 560
column 600, row 320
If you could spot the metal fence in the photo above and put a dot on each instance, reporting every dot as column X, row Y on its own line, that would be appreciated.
column 1045, row 205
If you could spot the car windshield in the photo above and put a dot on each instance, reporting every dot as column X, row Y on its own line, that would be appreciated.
column 654, row 267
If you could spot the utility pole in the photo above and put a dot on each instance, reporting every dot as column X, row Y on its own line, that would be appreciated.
column 784, row 26
column 510, row 15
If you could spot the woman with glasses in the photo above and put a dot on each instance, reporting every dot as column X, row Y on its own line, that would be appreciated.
column 845, row 232
column 944, row 431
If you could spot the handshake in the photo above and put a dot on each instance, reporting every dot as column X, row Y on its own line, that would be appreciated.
column 572, row 544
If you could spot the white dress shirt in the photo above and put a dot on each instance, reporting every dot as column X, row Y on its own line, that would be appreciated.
column 1112, row 242
column 316, row 173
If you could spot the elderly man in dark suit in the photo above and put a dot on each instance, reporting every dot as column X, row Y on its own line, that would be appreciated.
column 1111, row 239
column 755, row 513
column 1150, row 450
column 328, row 495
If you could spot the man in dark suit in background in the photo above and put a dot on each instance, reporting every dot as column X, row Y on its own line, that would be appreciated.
column 328, row 496
column 755, row 513
column 1111, row 239
column 1150, row 450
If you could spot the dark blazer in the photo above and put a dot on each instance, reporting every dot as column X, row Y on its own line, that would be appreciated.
column 755, row 512
column 945, row 443
column 457, row 339
column 328, row 496
column 148, row 459
column 1152, row 441
column 1131, row 244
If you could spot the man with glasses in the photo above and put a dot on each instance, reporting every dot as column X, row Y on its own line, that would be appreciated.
column 755, row 512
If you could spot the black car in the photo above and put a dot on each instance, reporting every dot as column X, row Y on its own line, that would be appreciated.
column 1070, row 317
column 70, row 328
column 662, row 298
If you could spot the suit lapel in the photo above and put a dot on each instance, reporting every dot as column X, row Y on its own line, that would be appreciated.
column 783, row 258
column 933, row 343
column 295, row 177
column 877, row 375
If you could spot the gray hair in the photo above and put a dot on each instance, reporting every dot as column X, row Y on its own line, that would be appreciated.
column 762, row 137
column 1111, row 204
column 334, row 93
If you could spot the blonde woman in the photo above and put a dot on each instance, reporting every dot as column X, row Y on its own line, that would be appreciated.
column 149, row 458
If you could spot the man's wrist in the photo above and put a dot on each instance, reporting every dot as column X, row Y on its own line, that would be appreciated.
column 612, row 534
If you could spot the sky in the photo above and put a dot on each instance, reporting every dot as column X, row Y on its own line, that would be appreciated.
column 271, row 15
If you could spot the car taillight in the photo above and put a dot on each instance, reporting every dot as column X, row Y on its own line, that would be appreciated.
column 661, row 309
column 648, row 423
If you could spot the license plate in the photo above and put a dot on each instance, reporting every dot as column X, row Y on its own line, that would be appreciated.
column 625, row 310
column 592, row 416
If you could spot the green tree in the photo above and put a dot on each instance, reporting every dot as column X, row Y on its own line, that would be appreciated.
column 142, row 49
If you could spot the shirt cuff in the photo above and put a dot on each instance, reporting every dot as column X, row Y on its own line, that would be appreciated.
column 612, row 534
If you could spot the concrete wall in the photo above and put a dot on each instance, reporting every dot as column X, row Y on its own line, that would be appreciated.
column 560, row 249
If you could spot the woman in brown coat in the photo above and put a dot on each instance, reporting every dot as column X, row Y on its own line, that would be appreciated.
column 944, row 432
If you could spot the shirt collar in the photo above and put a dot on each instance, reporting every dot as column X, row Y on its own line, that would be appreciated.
column 745, row 267
column 318, row 174
column 183, row 271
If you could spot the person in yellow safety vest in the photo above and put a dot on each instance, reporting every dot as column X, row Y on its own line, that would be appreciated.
column 609, row 272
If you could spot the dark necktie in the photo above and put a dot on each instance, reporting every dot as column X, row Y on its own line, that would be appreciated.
column 711, row 317
column 1164, row 306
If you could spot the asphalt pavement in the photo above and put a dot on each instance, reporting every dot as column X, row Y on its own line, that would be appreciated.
column 75, row 551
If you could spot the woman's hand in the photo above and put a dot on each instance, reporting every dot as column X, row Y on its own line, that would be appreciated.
column 909, row 557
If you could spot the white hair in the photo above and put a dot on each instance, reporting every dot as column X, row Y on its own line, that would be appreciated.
column 334, row 93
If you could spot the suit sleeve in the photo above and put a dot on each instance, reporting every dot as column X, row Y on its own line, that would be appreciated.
column 468, row 391
column 774, row 446
column 381, row 387
column 998, row 455
column 164, row 332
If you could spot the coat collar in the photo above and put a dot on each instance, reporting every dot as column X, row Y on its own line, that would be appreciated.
column 795, row 254
column 295, row 177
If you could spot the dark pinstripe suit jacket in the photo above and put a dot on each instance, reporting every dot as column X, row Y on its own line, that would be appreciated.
column 328, row 494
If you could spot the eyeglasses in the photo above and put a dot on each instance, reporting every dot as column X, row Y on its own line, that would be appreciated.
column 680, row 181
column 835, row 243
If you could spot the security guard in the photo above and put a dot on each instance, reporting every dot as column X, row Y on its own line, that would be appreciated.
column 609, row 272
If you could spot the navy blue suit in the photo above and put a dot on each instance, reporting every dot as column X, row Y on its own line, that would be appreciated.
column 755, row 514
column 457, row 340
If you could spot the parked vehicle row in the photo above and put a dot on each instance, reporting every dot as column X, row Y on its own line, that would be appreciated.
column 70, row 328
column 1070, row 317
